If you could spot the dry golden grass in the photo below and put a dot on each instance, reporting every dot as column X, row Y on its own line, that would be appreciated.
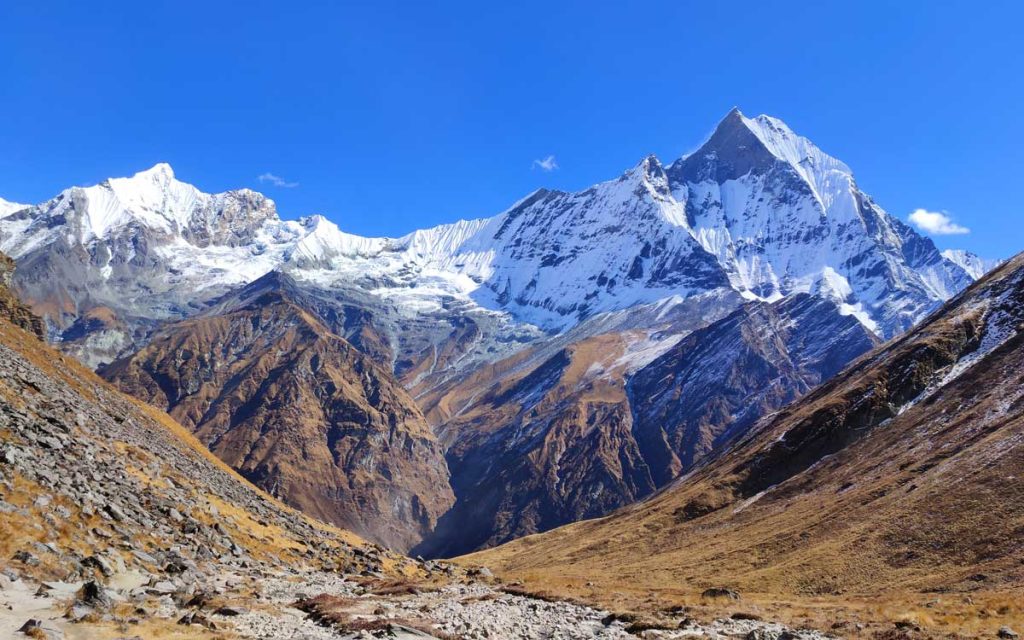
column 979, row 614
column 18, row 532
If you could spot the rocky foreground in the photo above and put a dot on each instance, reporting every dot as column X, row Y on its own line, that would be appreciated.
column 282, row 605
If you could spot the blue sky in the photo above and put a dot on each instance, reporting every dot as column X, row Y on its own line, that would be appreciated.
column 393, row 116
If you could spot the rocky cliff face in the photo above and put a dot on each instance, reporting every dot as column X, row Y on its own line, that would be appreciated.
column 592, row 427
column 717, row 381
column 11, row 308
column 298, row 411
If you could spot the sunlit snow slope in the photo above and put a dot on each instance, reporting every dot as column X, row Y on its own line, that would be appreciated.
column 756, row 209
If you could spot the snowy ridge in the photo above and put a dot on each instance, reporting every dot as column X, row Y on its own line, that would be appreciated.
column 7, row 207
column 826, row 175
column 556, row 258
column 757, row 210
column 971, row 263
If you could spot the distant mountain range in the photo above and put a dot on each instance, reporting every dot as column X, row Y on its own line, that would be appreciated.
column 473, row 382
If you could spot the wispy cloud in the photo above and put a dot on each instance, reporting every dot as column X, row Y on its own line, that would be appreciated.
column 548, row 164
column 936, row 223
column 277, row 181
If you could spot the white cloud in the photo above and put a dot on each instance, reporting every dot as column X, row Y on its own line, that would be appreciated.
column 548, row 164
column 277, row 181
column 936, row 223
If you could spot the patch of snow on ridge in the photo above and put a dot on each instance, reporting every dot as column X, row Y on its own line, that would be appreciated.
column 973, row 264
column 640, row 353
column 833, row 286
column 323, row 241
column 751, row 500
column 7, row 207
column 828, row 176
column 1003, row 317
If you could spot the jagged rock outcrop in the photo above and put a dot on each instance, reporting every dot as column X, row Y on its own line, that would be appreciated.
column 589, row 429
column 298, row 411
column 717, row 381
column 11, row 308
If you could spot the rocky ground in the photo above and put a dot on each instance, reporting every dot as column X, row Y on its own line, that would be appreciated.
column 320, row 606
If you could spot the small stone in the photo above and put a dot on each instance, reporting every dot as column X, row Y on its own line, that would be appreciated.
column 144, row 557
column 230, row 611
column 199, row 619
column 720, row 592
column 93, row 595
column 26, row 558
column 115, row 512
column 100, row 563
column 1006, row 633
column 162, row 588
column 50, row 442
column 78, row 612
column 29, row 625
column 9, row 455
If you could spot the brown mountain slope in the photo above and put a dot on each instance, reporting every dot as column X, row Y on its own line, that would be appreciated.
column 92, row 472
column 905, row 472
column 298, row 411
column 580, row 433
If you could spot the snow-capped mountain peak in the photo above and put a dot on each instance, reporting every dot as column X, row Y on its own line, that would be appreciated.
column 152, row 197
column 160, row 173
column 777, row 212
column 150, row 202
column 741, row 145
